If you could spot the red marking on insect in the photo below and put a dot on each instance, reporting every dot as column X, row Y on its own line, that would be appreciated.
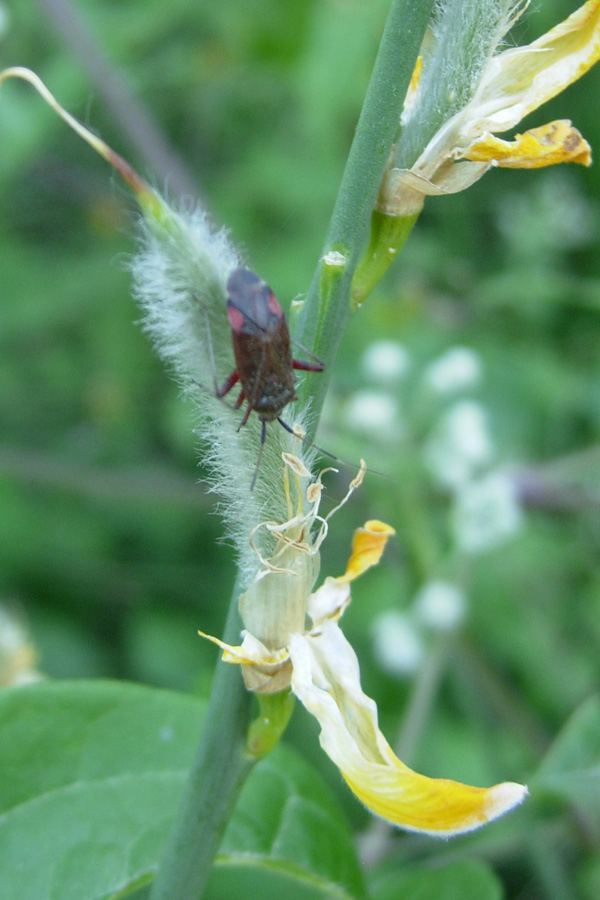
column 264, row 365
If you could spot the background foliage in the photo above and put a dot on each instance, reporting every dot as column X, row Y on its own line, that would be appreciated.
column 108, row 549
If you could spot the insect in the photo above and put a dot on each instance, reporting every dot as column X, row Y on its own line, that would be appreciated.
column 264, row 365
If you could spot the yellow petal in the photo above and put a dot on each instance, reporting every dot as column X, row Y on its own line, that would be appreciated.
column 264, row 671
column 436, row 806
column 415, row 80
column 519, row 80
column 326, row 679
column 250, row 652
column 368, row 545
column 556, row 142
column 512, row 84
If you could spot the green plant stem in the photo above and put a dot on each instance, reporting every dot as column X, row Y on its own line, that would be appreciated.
column 388, row 236
column 274, row 714
column 216, row 778
column 416, row 525
column 422, row 698
column 324, row 315
column 222, row 763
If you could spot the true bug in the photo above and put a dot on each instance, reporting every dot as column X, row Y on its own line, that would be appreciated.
column 264, row 365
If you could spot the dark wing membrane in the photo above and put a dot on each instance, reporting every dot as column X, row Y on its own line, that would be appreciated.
column 254, row 300
column 261, row 344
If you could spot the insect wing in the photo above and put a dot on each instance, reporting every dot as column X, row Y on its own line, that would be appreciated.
column 252, row 307
column 261, row 343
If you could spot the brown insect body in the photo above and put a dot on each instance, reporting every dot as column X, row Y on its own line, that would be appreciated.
column 261, row 345
column 264, row 365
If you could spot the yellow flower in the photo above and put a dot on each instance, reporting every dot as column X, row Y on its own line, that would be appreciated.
column 323, row 671
column 512, row 84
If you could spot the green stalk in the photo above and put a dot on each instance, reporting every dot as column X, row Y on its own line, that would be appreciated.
column 218, row 773
column 388, row 236
column 321, row 321
column 222, row 762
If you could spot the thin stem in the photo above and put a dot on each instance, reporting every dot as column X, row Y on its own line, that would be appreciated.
column 416, row 526
column 422, row 698
column 216, row 778
column 149, row 484
column 132, row 117
column 494, row 697
column 375, row 840
column 324, row 315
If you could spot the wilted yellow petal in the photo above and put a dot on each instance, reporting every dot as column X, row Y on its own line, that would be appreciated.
column 512, row 84
column 368, row 545
column 329, row 601
column 250, row 652
column 326, row 679
column 295, row 464
column 557, row 142
column 520, row 79
column 264, row 671
column 436, row 806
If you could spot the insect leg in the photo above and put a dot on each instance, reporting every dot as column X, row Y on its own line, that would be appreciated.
column 305, row 366
column 247, row 413
column 226, row 387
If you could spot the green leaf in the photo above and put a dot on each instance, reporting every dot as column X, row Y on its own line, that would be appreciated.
column 571, row 768
column 286, row 819
column 467, row 880
column 92, row 773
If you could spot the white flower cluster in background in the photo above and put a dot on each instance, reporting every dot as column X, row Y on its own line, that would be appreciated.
column 440, row 605
column 449, row 435
column 486, row 512
column 460, row 445
column 386, row 361
column 461, row 458
column 376, row 411
column 433, row 413
column 398, row 646
column 400, row 638
column 456, row 370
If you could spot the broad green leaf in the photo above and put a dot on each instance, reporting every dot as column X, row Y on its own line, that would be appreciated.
column 92, row 773
column 244, row 883
column 284, row 817
column 571, row 768
column 468, row 880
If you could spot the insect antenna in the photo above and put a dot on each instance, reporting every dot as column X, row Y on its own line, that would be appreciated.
column 342, row 462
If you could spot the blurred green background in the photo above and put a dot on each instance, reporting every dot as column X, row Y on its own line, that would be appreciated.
column 109, row 546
